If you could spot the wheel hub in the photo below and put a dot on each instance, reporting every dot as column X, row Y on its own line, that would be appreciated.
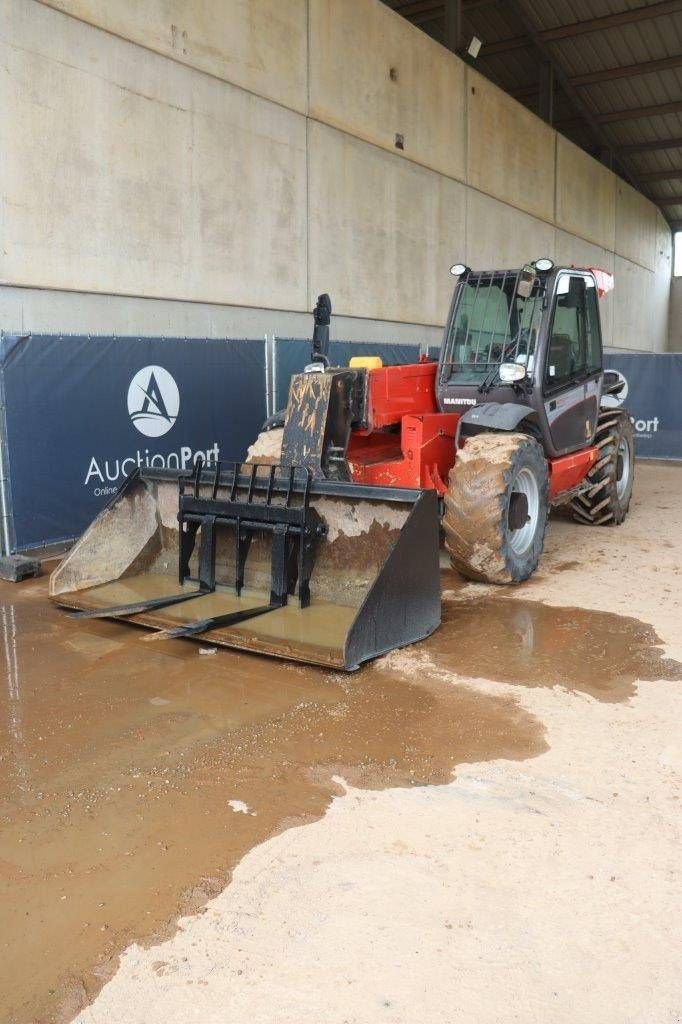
column 524, row 511
column 622, row 467
column 518, row 510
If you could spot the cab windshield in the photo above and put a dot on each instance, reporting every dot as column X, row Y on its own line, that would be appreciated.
column 493, row 324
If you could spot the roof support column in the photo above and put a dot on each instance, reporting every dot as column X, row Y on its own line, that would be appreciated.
column 453, row 25
column 606, row 156
column 546, row 96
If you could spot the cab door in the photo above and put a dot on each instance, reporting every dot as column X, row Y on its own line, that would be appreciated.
column 572, row 376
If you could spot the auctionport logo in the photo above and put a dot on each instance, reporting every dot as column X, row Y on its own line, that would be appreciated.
column 153, row 401
column 153, row 407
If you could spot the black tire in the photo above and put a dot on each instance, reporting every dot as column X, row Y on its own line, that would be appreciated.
column 481, row 510
column 607, row 502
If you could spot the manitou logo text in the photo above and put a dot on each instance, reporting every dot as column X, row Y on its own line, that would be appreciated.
column 153, row 401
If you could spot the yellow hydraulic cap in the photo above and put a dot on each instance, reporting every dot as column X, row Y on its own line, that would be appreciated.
column 366, row 363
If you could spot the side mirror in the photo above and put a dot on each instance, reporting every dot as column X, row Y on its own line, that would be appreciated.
column 526, row 281
column 614, row 382
column 512, row 373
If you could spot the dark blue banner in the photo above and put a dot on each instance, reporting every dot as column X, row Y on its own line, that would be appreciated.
column 80, row 413
column 653, row 386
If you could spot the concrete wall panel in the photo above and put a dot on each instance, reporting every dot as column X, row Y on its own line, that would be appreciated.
column 383, row 232
column 133, row 174
column 374, row 75
column 675, row 331
column 510, row 150
column 585, row 195
column 661, row 311
column 642, row 298
column 39, row 311
column 632, row 321
column 257, row 44
column 499, row 236
column 636, row 225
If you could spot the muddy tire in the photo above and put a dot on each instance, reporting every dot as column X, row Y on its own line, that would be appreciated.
column 608, row 501
column 267, row 448
column 496, row 508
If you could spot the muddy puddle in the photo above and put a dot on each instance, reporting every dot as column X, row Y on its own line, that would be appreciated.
column 133, row 777
column 511, row 640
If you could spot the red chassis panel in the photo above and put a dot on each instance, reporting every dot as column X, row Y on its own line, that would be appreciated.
column 421, row 455
column 419, row 450
column 395, row 391
column 569, row 470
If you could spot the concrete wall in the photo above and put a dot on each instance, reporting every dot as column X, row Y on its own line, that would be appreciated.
column 585, row 196
column 57, row 312
column 373, row 76
column 511, row 152
column 675, row 339
column 260, row 45
column 125, row 172
column 381, row 229
column 233, row 156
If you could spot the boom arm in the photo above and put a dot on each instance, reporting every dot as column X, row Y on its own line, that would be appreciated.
column 322, row 315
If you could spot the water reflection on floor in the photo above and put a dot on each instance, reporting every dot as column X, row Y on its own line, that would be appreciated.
column 133, row 777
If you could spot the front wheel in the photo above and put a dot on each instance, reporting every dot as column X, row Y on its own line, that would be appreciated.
column 496, row 508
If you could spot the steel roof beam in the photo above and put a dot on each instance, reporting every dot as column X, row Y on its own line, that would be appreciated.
column 627, row 71
column 563, row 79
column 650, row 147
column 554, row 35
column 671, row 175
column 608, row 75
column 415, row 8
column 633, row 113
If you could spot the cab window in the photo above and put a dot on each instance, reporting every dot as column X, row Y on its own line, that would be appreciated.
column 575, row 343
column 593, row 328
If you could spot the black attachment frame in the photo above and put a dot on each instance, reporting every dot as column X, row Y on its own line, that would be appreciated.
column 249, row 502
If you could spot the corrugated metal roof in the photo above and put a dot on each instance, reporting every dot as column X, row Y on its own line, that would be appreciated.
column 620, row 104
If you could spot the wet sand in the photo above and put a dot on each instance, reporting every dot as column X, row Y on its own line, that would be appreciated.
column 534, row 890
column 135, row 776
column 121, row 760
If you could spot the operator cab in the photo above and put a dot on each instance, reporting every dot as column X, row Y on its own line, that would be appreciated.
column 528, row 340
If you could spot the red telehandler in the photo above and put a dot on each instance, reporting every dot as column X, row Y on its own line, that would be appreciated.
column 324, row 545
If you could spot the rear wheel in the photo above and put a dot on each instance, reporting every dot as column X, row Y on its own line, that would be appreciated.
column 496, row 508
column 606, row 503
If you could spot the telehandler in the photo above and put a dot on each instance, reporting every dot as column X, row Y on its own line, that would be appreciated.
column 324, row 545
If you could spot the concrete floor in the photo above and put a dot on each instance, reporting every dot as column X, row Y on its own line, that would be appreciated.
column 482, row 827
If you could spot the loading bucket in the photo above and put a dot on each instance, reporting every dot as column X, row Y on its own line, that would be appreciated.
column 264, row 559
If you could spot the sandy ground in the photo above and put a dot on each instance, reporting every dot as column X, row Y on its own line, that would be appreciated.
column 545, row 889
